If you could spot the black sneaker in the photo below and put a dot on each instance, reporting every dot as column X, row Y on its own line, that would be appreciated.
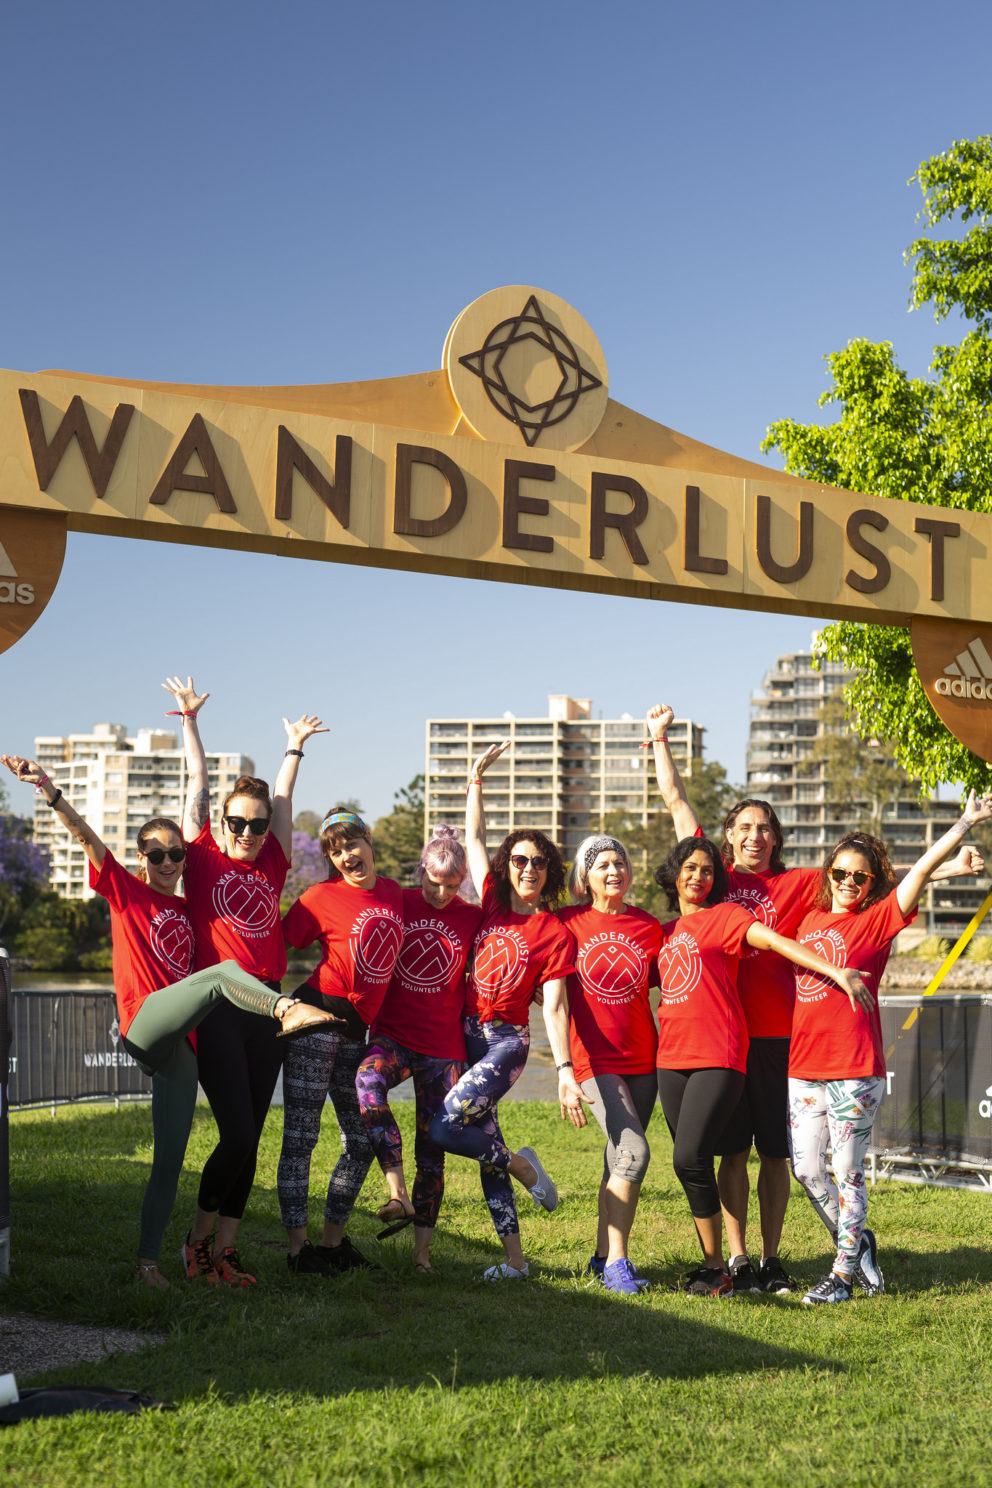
column 708, row 1282
column 867, row 1271
column 344, row 1257
column 743, row 1275
column 832, row 1288
column 308, row 1262
column 772, row 1277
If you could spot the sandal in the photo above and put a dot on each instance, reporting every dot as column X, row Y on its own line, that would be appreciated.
column 393, row 1226
column 149, row 1275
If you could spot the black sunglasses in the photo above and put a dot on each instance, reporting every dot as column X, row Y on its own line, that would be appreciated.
column 158, row 855
column 519, row 861
column 860, row 877
column 256, row 825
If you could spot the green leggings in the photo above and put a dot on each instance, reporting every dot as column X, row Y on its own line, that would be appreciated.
column 156, row 1039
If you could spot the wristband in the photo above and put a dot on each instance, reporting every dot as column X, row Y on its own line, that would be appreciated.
column 180, row 713
column 476, row 781
column 566, row 1065
column 297, row 752
column 55, row 799
column 650, row 743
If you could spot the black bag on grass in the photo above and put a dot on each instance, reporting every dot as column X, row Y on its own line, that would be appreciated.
column 66, row 1400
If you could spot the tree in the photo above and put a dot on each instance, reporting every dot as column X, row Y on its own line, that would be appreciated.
column 399, row 837
column 711, row 796
column 914, row 439
column 307, row 865
column 862, row 782
column 59, row 934
column 23, row 868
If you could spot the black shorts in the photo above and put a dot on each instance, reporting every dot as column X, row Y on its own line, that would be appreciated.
column 761, row 1117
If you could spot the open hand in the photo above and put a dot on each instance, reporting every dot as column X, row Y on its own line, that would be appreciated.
column 302, row 729
column 659, row 718
column 188, row 700
column 976, row 809
column 570, row 1100
column 852, row 982
column 489, row 757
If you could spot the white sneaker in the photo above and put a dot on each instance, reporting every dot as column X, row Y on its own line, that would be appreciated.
column 505, row 1272
column 544, row 1191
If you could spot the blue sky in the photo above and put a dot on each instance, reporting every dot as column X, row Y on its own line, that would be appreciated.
column 260, row 194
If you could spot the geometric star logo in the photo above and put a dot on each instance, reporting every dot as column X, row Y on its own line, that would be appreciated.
column 530, row 371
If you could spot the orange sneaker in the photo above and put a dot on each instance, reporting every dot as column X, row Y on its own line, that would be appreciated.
column 198, row 1261
column 229, row 1270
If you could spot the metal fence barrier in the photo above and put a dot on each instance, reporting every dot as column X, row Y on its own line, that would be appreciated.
column 67, row 1048
column 935, row 1124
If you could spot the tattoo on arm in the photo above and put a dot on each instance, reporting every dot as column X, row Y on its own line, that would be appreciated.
column 200, row 808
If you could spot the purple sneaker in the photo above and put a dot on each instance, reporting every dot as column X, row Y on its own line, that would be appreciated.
column 620, row 1276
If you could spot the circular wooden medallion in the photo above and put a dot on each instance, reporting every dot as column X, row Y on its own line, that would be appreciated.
column 954, row 662
column 32, row 549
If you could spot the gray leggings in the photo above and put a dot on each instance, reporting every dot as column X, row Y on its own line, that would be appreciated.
column 622, row 1104
column 156, row 1038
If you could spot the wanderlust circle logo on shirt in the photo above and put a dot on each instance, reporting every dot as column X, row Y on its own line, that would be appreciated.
column 611, row 968
column 430, row 950
column 376, row 937
column 759, row 903
column 830, row 944
column 679, row 967
column 247, row 902
column 500, row 961
column 172, row 941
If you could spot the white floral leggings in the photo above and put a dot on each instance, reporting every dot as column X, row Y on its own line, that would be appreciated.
column 839, row 1114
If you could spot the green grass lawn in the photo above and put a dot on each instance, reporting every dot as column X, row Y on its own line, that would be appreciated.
column 400, row 1378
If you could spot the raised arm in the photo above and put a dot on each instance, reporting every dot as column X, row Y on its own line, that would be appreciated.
column 909, row 889
column 31, row 774
column 847, row 979
column 297, row 735
column 966, row 863
column 555, row 1011
column 670, row 783
column 475, row 816
column 196, row 811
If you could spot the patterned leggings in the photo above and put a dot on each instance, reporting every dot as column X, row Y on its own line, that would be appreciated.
column 319, row 1064
column 840, row 1113
column 468, row 1124
column 386, row 1064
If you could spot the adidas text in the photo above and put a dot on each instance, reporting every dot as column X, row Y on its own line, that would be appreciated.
column 964, row 687
column 11, row 593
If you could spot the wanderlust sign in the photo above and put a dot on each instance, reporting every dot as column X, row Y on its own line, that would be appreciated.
column 511, row 462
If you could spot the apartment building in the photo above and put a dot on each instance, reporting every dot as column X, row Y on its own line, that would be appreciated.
column 117, row 782
column 562, row 773
column 784, row 726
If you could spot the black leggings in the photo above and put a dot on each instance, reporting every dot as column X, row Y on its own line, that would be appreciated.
column 697, row 1104
column 239, row 1060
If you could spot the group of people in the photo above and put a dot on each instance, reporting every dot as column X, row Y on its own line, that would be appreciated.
column 767, row 1033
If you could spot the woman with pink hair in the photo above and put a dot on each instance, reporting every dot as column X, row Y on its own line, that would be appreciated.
column 418, row 1032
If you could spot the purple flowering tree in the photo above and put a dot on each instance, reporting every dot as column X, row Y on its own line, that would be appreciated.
column 23, row 867
column 307, row 866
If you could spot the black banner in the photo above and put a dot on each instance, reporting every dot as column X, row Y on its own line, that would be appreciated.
column 67, row 1047
column 939, row 1077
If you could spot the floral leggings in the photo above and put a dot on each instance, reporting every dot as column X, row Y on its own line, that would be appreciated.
column 467, row 1123
column 386, row 1064
column 318, row 1065
column 841, row 1114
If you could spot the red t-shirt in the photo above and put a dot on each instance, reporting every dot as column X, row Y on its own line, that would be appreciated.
column 830, row 1039
column 765, row 981
column 512, row 956
column 360, row 933
column 701, row 1022
column 234, row 906
column 422, row 1009
column 151, row 935
column 611, row 1027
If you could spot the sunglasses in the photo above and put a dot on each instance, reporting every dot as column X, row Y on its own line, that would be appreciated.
column 539, row 862
column 256, row 825
column 158, row 855
column 860, row 877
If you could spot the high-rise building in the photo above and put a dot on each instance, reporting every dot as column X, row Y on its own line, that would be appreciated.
column 116, row 783
column 562, row 774
column 786, row 721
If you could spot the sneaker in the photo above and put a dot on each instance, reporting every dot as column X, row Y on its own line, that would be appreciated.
column 344, row 1257
column 308, row 1262
column 867, row 1271
column 230, row 1270
column 620, row 1276
column 832, row 1288
column 544, row 1191
column 505, row 1272
column 743, row 1275
column 596, row 1266
column 706, row 1281
column 198, row 1261
column 772, row 1277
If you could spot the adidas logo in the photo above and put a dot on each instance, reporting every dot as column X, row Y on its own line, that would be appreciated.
column 11, row 592
column 969, row 675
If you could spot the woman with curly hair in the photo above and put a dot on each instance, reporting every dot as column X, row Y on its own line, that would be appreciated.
column 702, row 1030
column 836, row 1059
column 520, row 945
